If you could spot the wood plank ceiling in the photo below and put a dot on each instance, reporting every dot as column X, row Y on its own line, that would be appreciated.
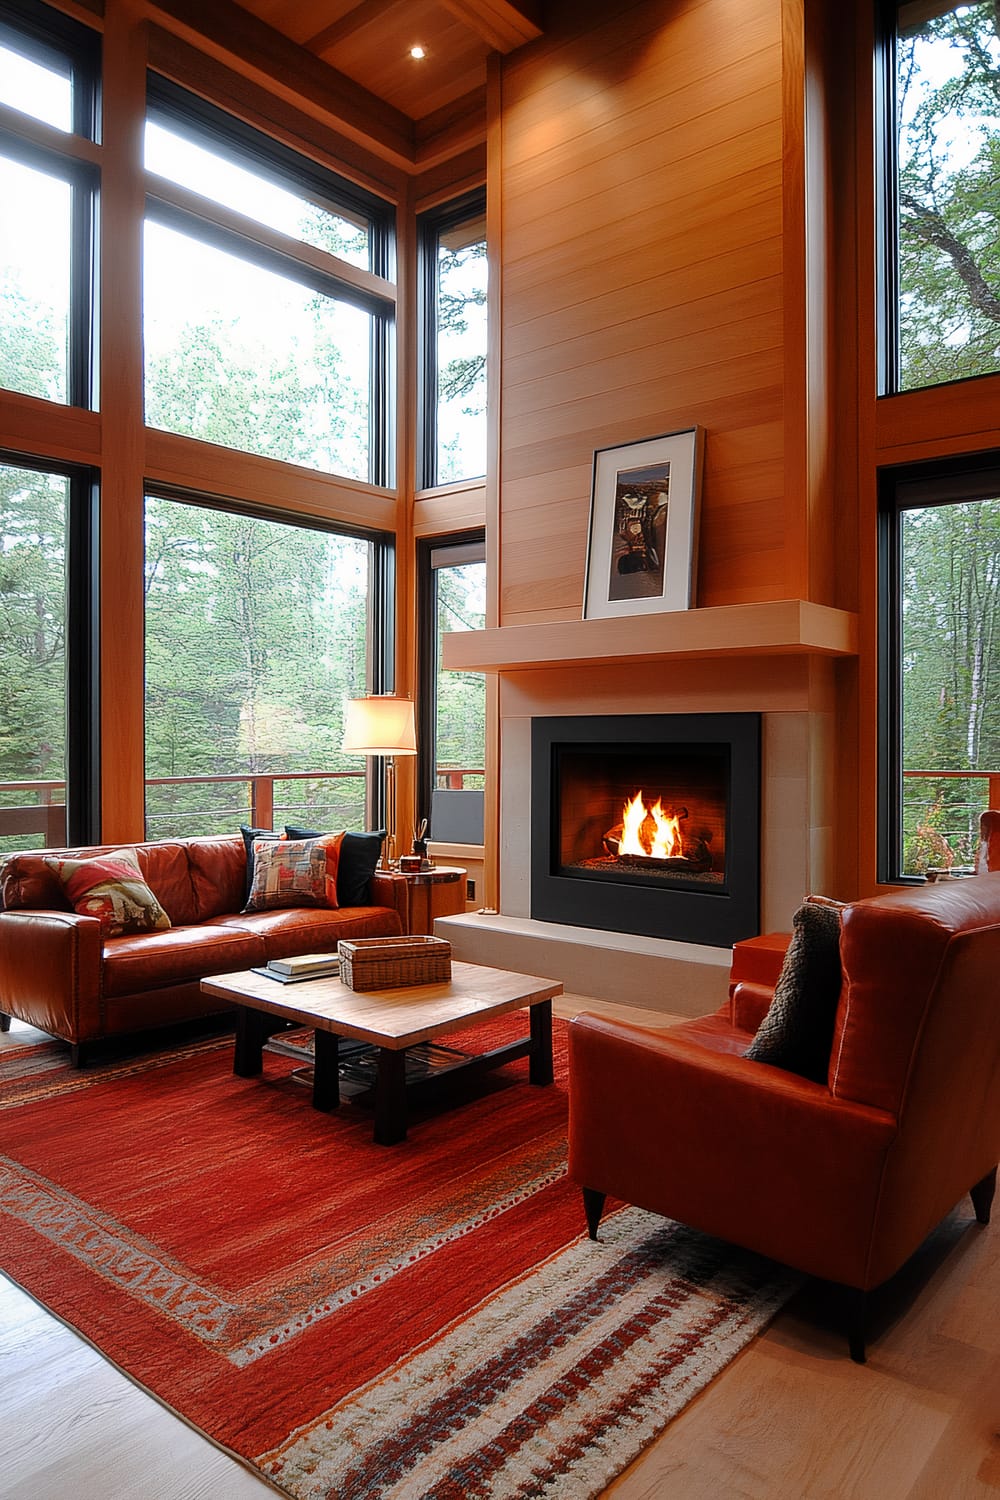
column 368, row 42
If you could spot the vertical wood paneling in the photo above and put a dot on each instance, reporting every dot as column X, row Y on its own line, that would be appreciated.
column 641, row 178
column 122, row 433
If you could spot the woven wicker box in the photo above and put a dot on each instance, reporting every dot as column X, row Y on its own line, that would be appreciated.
column 391, row 963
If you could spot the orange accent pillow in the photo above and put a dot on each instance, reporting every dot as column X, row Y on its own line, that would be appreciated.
column 111, row 888
column 294, row 872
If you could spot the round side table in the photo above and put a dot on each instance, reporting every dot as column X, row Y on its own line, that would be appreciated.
column 437, row 892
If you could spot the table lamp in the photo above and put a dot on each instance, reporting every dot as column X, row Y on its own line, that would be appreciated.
column 382, row 724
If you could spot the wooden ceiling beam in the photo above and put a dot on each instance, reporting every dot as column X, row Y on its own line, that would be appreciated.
column 233, row 36
column 502, row 24
column 359, row 15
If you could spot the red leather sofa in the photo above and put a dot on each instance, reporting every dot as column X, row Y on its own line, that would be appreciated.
column 842, row 1178
column 57, row 974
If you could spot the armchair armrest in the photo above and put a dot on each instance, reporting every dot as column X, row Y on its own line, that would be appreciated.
column 750, row 1004
column 736, row 1148
column 50, row 972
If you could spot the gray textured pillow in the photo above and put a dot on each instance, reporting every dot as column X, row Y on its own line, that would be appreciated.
column 797, row 1032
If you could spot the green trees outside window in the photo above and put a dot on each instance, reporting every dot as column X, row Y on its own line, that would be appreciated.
column 34, row 508
column 256, row 633
column 947, row 88
column 943, row 718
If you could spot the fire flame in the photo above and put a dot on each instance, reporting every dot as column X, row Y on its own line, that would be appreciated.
column 649, row 830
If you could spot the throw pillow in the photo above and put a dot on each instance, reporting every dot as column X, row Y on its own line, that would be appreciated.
column 359, row 856
column 110, row 887
column 797, row 1032
column 249, row 835
column 294, row 872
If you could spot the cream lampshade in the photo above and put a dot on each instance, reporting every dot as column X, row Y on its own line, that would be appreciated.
column 382, row 725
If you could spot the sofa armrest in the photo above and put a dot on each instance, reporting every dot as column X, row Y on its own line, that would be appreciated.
column 50, row 972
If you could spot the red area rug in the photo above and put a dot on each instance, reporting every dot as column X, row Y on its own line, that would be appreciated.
column 424, row 1320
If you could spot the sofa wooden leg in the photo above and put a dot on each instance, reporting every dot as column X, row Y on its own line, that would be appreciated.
column 4, row 1021
column 593, row 1207
column 982, row 1196
column 857, row 1325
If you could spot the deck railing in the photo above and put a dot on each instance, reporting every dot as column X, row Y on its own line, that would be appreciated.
column 948, row 829
column 41, row 822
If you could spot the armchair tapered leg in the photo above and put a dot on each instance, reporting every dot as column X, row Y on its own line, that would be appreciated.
column 982, row 1196
column 4, row 1021
column 857, row 1325
column 593, row 1207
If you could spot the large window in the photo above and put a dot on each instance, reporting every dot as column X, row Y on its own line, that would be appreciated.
column 942, row 212
column 941, row 730
column 453, row 731
column 48, row 73
column 257, row 336
column 257, row 631
column 454, row 340
column 47, row 651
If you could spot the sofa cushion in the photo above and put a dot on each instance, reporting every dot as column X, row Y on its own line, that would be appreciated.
column 316, row 929
column 218, row 874
column 181, row 955
column 359, row 855
column 110, row 887
column 797, row 1031
column 294, row 872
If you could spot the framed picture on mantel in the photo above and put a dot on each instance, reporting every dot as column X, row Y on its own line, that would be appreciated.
column 642, row 552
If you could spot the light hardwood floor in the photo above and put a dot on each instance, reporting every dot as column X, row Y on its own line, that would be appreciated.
column 790, row 1419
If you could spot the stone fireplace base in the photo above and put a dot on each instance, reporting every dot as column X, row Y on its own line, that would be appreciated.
column 681, row 979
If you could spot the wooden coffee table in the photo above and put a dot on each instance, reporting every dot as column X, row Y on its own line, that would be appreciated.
column 390, row 1021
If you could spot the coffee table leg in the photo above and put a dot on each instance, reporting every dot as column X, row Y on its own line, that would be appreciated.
column 326, row 1075
column 251, row 1034
column 540, row 1057
column 390, row 1097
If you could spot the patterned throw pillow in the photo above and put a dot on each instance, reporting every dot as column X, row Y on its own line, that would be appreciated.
column 110, row 887
column 294, row 872
column 359, row 856
column 797, row 1032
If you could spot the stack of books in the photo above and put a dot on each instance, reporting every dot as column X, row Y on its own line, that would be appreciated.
column 302, row 966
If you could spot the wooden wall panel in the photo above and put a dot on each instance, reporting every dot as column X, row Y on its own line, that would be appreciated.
column 641, row 185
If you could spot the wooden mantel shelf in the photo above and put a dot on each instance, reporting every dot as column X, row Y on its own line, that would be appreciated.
column 783, row 627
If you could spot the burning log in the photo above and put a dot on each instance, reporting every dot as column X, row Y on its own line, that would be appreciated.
column 651, row 838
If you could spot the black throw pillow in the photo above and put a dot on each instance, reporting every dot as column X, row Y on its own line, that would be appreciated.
column 359, row 855
column 249, row 834
column 797, row 1032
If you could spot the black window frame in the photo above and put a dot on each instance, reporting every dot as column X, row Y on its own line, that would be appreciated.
column 903, row 487
column 886, row 206
column 382, row 594
column 83, row 643
column 431, row 556
column 55, row 40
column 430, row 227
column 211, row 127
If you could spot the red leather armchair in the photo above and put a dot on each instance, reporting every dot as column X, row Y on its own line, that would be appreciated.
column 843, row 1178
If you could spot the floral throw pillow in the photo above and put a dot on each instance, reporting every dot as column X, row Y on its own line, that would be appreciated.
column 294, row 872
column 111, row 888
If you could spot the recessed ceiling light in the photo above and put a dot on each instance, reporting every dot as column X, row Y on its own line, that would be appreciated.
column 417, row 52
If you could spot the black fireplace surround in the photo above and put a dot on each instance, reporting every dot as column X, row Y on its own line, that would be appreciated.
column 706, row 769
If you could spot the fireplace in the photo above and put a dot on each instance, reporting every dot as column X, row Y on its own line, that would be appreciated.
column 648, row 824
